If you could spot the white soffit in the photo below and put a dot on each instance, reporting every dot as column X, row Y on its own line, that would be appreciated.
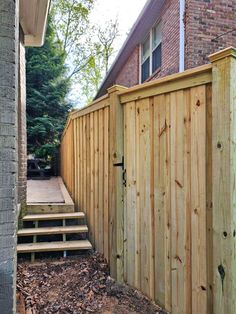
column 33, row 20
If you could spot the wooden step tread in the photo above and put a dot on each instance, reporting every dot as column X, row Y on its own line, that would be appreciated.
column 54, row 246
column 58, row 216
column 52, row 230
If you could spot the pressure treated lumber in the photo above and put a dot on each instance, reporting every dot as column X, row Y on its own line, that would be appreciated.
column 49, row 208
column 172, row 83
column 170, row 232
column 116, row 123
column 165, row 220
column 223, row 180
column 131, row 251
column 162, row 210
column 52, row 230
column 100, row 103
column 198, row 199
column 54, row 216
column 54, row 246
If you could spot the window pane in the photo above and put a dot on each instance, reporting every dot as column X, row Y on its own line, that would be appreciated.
column 146, row 49
column 145, row 70
column 156, row 35
column 156, row 58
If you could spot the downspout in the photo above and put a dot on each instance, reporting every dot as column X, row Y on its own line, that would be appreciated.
column 181, row 35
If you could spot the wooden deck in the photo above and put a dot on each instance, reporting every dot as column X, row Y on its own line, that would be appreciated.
column 48, row 196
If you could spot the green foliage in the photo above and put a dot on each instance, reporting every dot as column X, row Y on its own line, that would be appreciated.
column 71, row 20
column 47, row 88
column 102, row 49
column 88, row 47
column 74, row 51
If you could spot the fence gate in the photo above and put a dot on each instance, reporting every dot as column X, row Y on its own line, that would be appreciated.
column 165, row 254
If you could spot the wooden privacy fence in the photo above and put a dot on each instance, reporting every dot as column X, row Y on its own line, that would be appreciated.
column 153, row 167
column 85, row 167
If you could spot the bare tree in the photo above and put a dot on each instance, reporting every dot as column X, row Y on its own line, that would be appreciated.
column 88, row 48
column 71, row 20
column 97, row 67
column 107, row 35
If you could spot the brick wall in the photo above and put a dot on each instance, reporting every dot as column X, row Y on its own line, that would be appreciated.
column 129, row 74
column 170, row 40
column 8, row 151
column 205, row 20
column 22, row 138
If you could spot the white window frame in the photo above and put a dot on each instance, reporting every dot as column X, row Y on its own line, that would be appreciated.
column 151, row 49
column 141, row 57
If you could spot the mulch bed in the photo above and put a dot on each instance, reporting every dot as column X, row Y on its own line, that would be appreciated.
column 76, row 285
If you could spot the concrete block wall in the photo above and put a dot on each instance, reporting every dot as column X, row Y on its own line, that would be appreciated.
column 8, row 151
column 22, row 137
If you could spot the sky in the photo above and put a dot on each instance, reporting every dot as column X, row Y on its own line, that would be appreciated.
column 126, row 11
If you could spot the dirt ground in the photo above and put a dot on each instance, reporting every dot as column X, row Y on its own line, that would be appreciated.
column 76, row 285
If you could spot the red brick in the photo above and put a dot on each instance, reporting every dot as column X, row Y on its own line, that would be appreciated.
column 204, row 21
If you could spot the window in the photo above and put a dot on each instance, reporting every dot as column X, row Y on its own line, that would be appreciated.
column 151, row 53
column 146, row 59
column 156, row 47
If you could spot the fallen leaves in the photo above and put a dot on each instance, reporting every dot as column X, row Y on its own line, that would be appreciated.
column 77, row 285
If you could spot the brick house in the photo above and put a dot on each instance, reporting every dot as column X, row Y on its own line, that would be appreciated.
column 171, row 36
column 22, row 23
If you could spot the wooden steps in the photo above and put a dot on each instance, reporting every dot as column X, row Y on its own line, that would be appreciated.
column 40, row 208
column 46, row 227
column 54, row 246
column 52, row 230
column 57, row 216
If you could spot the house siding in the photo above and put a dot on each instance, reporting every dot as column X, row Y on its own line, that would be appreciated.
column 205, row 20
column 8, row 154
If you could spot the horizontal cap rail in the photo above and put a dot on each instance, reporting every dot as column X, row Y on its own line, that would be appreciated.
column 189, row 78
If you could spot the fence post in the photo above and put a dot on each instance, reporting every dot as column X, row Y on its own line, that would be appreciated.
column 116, row 199
column 224, row 180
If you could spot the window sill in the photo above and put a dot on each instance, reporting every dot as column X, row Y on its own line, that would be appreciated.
column 153, row 75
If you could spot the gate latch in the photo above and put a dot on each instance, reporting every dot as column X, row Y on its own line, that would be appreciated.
column 122, row 165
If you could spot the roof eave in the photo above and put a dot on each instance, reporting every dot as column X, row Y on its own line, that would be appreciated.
column 33, row 20
column 138, row 31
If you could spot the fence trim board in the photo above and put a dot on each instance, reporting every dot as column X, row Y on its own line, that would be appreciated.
column 96, row 105
column 223, row 184
column 91, row 108
column 227, row 52
column 184, row 80
column 116, row 180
